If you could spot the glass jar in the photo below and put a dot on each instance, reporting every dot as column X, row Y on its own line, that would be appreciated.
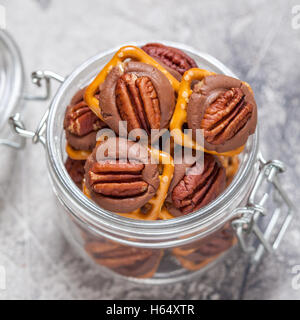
column 160, row 251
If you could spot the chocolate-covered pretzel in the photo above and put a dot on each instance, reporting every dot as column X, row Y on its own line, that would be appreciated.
column 140, row 94
column 225, row 109
column 81, row 124
column 123, row 183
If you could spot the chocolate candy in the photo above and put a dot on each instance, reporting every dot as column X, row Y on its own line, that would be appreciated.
column 121, row 185
column 140, row 94
column 225, row 109
column 171, row 57
column 194, row 186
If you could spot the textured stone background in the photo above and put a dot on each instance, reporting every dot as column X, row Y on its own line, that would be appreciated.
column 254, row 38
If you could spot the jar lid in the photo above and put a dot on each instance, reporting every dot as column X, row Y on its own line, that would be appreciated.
column 11, row 77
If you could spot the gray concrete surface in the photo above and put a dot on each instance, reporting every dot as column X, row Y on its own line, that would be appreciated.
column 254, row 38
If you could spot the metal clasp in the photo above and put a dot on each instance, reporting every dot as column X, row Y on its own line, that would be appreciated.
column 15, row 121
column 249, row 216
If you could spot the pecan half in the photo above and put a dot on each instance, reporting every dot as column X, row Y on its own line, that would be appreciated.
column 199, row 186
column 171, row 57
column 117, row 179
column 225, row 109
column 140, row 94
column 80, row 120
column 137, row 102
column 117, row 184
column 81, row 124
column 226, row 116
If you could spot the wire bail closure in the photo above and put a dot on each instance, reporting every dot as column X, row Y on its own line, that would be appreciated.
column 37, row 77
column 249, row 216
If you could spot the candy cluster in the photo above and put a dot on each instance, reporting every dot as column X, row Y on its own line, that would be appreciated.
column 141, row 94
column 146, row 90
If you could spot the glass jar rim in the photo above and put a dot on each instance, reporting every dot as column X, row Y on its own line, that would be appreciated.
column 113, row 225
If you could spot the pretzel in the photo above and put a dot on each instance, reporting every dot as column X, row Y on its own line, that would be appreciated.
column 85, row 190
column 164, row 214
column 180, row 113
column 231, row 165
column 126, row 52
column 77, row 154
column 82, row 154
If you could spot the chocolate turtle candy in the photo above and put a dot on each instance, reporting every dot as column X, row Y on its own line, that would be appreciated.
column 123, row 182
column 195, row 185
column 171, row 57
column 225, row 109
column 140, row 94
